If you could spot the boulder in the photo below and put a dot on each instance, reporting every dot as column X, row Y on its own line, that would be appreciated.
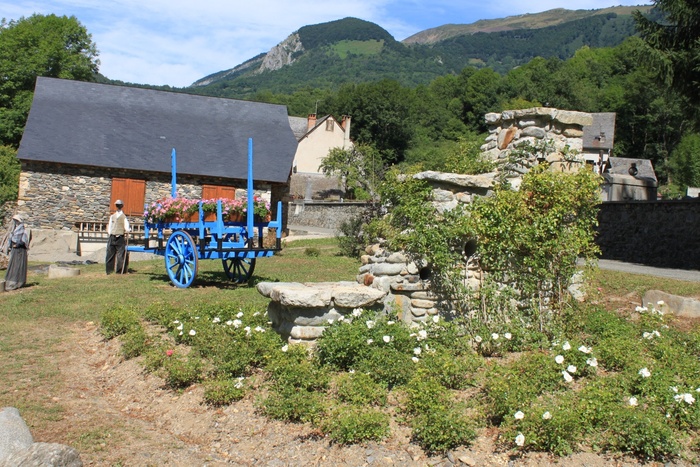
column 45, row 455
column 679, row 306
column 14, row 433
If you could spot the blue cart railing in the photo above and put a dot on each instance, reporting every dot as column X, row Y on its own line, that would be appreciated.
column 236, row 244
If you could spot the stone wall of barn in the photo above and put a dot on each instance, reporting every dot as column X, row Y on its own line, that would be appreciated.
column 55, row 196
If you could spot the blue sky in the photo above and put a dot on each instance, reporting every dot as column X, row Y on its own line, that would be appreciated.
column 176, row 42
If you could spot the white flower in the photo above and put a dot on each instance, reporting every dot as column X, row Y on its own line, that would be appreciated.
column 216, row 320
column 239, row 383
column 176, row 322
column 633, row 401
column 559, row 359
column 256, row 313
column 656, row 333
column 330, row 321
column 180, row 327
column 647, row 335
column 592, row 362
column 546, row 416
column 566, row 346
column 494, row 336
column 196, row 317
column 640, row 309
column 386, row 338
column 370, row 324
column 519, row 415
column 285, row 347
column 645, row 373
column 584, row 349
column 697, row 389
column 351, row 372
column 415, row 359
column 247, row 330
column 192, row 332
column 239, row 315
column 389, row 323
column 508, row 335
column 477, row 339
column 660, row 303
column 567, row 376
column 357, row 312
column 673, row 388
column 229, row 323
column 341, row 318
column 571, row 369
column 180, row 333
column 259, row 329
column 422, row 334
column 417, row 350
column 688, row 398
column 436, row 318
column 369, row 341
column 237, row 323
column 520, row 439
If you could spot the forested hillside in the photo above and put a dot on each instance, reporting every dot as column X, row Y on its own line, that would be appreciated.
column 352, row 51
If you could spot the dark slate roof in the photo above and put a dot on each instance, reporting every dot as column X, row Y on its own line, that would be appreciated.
column 601, row 133
column 299, row 126
column 101, row 125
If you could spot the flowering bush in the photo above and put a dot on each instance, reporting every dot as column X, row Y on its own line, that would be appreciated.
column 169, row 209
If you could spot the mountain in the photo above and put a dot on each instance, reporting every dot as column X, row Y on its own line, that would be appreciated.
column 352, row 50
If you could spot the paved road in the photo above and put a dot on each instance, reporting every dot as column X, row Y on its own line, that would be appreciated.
column 678, row 274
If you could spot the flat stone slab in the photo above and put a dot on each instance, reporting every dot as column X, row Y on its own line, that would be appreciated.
column 15, row 436
column 56, row 272
column 679, row 306
column 322, row 294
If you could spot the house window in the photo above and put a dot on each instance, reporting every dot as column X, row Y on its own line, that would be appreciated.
column 329, row 125
column 217, row 191
column 131, row 192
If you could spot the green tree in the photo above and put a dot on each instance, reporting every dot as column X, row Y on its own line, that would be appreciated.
column 359, row 168
column 54, row 46
column 674, row 44
column 685, row 161
column 9, row 174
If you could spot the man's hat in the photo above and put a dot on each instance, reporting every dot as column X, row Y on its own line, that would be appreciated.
column 118, row 203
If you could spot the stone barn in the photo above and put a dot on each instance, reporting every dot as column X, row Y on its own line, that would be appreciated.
column 87, row 144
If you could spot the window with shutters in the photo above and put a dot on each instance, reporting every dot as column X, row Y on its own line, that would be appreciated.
column 132, row 192
column 217, row 191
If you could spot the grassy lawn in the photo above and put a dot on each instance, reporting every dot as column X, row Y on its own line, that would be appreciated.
column 36, row 320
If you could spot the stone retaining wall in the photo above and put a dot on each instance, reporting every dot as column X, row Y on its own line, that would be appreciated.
column 661, row 233
column 324, row 215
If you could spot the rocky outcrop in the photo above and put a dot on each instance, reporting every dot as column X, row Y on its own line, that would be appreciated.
column 282, row 54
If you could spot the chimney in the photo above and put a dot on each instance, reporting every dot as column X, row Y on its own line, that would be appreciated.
column 312, row 121
column 345, row 124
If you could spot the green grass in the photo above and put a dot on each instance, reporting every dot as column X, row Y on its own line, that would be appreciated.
column 343, row 48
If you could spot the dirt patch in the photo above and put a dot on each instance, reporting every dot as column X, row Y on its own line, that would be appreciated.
column 115, row 413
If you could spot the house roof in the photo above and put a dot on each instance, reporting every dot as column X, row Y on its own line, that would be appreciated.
column 299, row 125
column 601, row 133
column 619, row 167
column 109, row 126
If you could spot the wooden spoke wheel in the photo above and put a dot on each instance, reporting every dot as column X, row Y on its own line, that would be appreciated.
column 239, row 270
column 181, row 260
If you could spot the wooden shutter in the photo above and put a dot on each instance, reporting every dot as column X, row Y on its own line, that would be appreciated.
column 132, row 192
column 217, row 191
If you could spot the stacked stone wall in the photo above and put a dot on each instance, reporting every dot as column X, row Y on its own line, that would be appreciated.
column 324, row 215
column 55, row 196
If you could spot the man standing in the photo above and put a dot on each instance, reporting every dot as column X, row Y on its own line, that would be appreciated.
column 117, row 229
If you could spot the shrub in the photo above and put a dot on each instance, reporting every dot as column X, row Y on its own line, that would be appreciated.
column 349, row 425
column 223, row 391
column 134, row 342
column 642, row 433
column 342, row 345
column 161, row 313
column 387, row 366
column 620, row 353
column 288, row 403
column 118, row 321
column 156, row 355
column 438, row 431
column 360, row 389
column 511, row 387
column 425, row 395
column 181, row 372
column 294, row 369
column 453, row 372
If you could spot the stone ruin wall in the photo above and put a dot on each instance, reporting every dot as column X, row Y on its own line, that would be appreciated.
column 406, row 283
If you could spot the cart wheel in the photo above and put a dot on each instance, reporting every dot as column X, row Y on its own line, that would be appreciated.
column 181, row 259
column 239, row 270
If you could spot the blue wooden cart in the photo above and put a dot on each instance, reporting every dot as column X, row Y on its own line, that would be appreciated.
column 236, row 244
